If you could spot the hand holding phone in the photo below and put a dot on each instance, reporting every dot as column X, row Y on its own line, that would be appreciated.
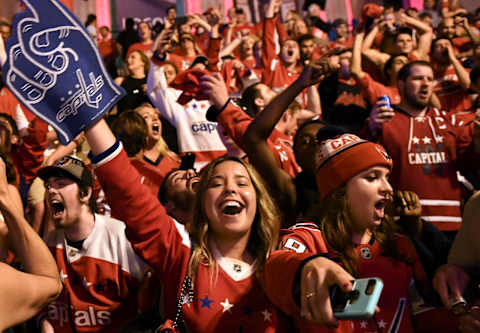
column 360, row 303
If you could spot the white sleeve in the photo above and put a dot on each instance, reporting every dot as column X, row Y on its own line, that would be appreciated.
column 20, row 118
column 163, row 97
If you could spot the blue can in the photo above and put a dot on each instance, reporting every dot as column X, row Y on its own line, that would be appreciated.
column 386, row 99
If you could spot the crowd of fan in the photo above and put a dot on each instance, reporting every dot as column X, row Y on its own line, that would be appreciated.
column 354, row 149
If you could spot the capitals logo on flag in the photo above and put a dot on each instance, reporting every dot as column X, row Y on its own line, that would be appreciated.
column 55, row 70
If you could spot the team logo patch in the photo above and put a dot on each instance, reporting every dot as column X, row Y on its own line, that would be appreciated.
column 366, row 253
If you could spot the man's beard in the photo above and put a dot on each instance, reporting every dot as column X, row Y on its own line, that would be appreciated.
column 413, row 102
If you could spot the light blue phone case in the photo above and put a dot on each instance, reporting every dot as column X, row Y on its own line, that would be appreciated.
column 364, row 305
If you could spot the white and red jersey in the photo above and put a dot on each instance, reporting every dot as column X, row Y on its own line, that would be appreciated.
column 236, row 122
column 398, row 301
column 194, row 132
column 100, row 281
column 230, row 301
column 425, row 152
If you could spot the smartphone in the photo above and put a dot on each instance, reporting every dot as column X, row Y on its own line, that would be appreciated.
column 187, row 162
column 360, row 303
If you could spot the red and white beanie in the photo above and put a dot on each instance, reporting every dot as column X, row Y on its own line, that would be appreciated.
column 345, row 156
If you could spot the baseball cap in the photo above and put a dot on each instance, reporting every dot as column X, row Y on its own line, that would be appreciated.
column 74, row 167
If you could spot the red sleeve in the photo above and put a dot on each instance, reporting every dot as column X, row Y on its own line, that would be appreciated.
column 371, row 89
column 466, row 155
column 282, row 31
column 278, row 279
column 161, row 242
column 268, row 46
column 28, row 157
column 235, row 122
column 212, row 53
column 298, row 243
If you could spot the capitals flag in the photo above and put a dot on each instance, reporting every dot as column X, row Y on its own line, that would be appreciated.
column 55, row 70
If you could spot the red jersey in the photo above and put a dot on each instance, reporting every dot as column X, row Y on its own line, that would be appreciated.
column 108, row 48
column 275, row 75
column 154, row 172
column 235, row 302
column 305, row 239
column 236, row 122
column 425, row 151
column 145, row 48
column 100, row 281
column 453, row 97
column 372, row 90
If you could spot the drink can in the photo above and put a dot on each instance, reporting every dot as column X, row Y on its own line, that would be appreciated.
column 386, row 99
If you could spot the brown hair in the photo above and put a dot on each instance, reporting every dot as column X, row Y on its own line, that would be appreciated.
column 337, row 230
column 145, row 60
column 265, row 227
column 132, row 130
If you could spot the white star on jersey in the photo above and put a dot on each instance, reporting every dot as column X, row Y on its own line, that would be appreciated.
column 363, row 324
column 267, row 315
column 416, row 140
column 426, row 140
column 439, row 139
column 382, row 324
column 226, row 305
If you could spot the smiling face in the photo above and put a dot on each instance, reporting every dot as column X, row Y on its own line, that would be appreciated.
column 367, row 194
column 230, row 201
column 153, row 122
column 63, row 200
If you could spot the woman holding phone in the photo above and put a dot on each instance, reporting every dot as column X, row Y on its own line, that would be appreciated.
column 353, row 230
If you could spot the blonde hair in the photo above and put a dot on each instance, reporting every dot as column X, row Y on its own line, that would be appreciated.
column 161, row 145
column 265, row 227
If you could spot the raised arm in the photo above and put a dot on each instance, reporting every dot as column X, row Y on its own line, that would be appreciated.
column 425, row 33
column 462, row 73
column 377, row 57
column 24, row 294
column 268, row 46
column 257, row 134
column 356, row 66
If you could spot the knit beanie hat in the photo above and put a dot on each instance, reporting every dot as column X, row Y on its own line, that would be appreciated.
column 345, row 156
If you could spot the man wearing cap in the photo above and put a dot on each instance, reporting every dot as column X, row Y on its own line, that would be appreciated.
column 100, row 272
